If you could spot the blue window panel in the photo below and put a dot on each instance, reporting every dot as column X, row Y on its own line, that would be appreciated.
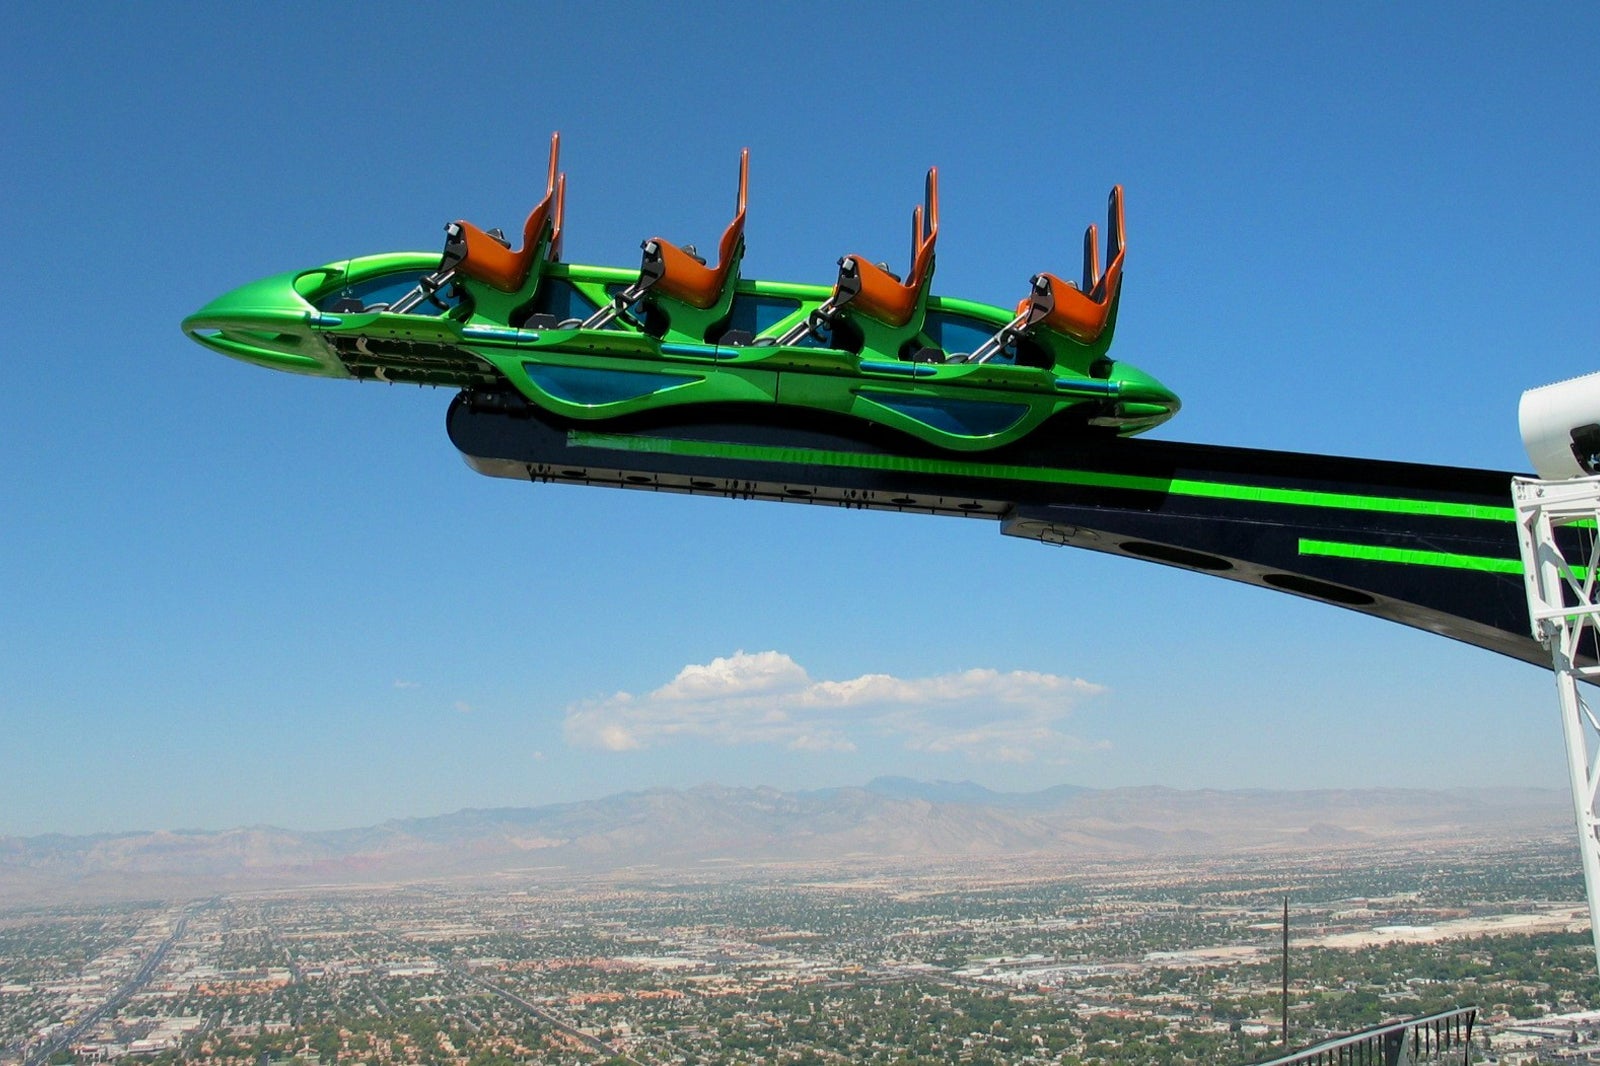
column 559, row 297
column 757, row 314
column 967, row 418
column 593, row 388
column 384, row 289
column 957, row 333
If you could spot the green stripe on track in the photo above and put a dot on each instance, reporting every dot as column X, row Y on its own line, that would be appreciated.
column 1410, row 556
column 1048, row 475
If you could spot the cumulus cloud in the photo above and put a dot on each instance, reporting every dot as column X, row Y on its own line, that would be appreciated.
column 738, row 675
column 768, row 698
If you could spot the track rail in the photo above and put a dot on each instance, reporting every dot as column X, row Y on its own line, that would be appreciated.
column 1431, row 547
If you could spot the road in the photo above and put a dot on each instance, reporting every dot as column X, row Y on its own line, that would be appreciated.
column 114, row 1001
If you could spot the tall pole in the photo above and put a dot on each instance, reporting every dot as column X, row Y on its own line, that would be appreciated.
column 1286, row 972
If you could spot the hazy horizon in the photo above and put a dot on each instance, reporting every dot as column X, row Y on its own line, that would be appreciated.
column 890, row 786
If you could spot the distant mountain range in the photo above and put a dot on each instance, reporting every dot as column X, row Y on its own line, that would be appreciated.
column 971, row 793
column 888, row 819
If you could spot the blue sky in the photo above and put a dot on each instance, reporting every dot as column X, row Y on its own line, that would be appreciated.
column 229, row 596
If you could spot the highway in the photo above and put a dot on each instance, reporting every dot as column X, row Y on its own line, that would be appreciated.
column 141, row 978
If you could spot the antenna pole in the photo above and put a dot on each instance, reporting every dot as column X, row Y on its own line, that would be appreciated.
column 1286, row 972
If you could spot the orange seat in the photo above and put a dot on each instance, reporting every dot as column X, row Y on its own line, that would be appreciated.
column 683, row 277
column 880, row 294
column 488, row 260
column 557, row 227
column 1081, row 312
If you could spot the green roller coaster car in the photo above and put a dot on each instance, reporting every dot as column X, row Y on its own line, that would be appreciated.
column 592, row 343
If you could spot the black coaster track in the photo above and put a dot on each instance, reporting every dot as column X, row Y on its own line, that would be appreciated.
column 1432, row 547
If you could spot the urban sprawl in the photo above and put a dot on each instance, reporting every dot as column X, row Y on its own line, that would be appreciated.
column 980, row 963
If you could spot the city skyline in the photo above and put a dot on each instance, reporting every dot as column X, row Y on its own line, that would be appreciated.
column 1011, row 962
column 232, row 597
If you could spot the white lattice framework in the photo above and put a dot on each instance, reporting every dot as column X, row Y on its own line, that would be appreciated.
column 1561, row 581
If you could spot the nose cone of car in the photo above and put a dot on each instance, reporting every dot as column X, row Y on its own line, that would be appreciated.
column 1140, row 388
column 268, row 323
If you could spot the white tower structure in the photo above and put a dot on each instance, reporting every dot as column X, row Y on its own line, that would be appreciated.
column 1558, row 529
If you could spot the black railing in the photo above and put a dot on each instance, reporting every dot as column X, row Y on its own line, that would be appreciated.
column 1436, row 1038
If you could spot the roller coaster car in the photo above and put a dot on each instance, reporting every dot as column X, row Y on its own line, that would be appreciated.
column 593, row 344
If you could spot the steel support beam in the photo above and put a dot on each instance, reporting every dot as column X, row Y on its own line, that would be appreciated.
column 1556, row 530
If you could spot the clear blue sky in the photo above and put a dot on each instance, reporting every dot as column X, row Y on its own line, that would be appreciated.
column 229, row 596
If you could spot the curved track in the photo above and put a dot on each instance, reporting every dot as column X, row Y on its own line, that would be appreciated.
column 1432, row 547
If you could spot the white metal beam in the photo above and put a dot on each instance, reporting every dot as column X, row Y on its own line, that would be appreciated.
column 1565, row 618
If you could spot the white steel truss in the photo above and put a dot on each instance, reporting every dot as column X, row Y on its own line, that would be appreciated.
column 1564, row 611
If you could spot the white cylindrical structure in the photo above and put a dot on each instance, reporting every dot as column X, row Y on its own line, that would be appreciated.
column 1555, row 417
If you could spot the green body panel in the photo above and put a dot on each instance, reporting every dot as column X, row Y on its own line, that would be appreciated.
column 492, row 305
column 690, row 323
column 285, row 322
column 890, row 341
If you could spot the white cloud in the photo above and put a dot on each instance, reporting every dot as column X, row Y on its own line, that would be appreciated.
column 768, row 698
column 400, row 683
column 820, row 742
column 738, row 675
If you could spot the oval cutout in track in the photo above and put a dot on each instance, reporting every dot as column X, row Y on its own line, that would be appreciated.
column 1322, row 590
column 1166, row 553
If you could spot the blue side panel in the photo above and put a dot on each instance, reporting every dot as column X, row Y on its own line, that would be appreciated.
column 901, row 370
column 757, row 314
column 700, row 351
column 494, row 333
column 1088, row 386
column 593, row 388
column 968, row 418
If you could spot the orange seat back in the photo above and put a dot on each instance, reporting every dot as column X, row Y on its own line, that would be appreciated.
column 883, row 297
column 558, row 226
column 692, row 282
column 491, row 262
column 1082, row 313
